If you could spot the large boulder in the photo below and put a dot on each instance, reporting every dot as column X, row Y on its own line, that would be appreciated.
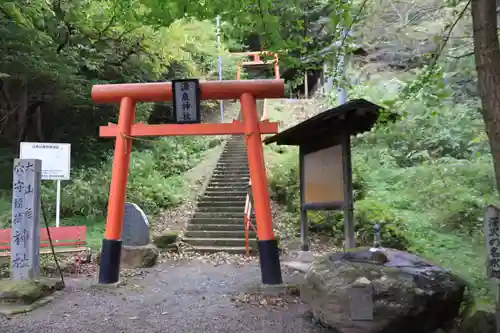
column 387, row 291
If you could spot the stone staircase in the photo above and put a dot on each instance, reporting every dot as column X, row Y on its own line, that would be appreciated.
column 218, row 222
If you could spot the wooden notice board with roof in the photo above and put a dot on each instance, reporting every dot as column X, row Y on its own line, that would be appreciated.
column 325, row 160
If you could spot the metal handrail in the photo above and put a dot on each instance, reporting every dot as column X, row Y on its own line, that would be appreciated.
column 247, row 218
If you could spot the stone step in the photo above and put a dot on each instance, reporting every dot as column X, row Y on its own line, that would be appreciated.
column 245, row 174
column 229, row 217
column 230, row 178
column 234, row 152
column 228, row 203
column 239, row 161
column 218, row 209
column 239, row 196
column 231, row 173
column 218, row 220
column 223, row 215
column 234, row 155
column 228, row 182
column 214, row 196
column 221, row 191
column 217, row 227
column 219, row 234
column 232, row 164
column 220, row 241
column 214, row 187
column 232, row 167
column 240, row 186
column 212, row 249
column 232, row 170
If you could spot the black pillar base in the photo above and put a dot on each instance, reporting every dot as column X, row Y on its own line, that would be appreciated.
column 109, row 269
column 270, row 262
column 305, row 247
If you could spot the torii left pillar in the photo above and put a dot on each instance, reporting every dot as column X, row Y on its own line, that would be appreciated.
column 128, row 95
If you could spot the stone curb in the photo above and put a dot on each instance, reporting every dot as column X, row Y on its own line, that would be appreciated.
column 14, row 309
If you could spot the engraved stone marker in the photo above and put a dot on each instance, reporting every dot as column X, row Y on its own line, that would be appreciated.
column 135, row 226
column 361, row 302
column 25, row 232
column 492, row 242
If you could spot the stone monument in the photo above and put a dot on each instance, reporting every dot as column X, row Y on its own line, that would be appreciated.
column 136, row 250
column 25, row 232
column 135, row 230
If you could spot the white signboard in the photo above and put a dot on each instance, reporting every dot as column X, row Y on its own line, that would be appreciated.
column 55, row 157
column 492, row 242
column 186, row 101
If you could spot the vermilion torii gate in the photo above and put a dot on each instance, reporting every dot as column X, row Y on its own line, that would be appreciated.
column 128, row 95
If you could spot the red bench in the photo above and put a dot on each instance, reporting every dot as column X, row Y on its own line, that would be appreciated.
column 64, row 240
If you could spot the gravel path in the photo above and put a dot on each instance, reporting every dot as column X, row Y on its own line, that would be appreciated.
column 173, row 297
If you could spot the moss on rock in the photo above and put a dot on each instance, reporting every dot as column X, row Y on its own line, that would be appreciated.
column 165, row 240
column 479, row 322
column 27, row 291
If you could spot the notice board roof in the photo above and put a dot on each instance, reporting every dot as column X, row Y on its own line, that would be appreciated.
column 354, row 117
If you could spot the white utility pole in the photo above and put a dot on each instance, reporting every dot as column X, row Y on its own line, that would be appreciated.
column 221, row 102
column 342, row 90
column 342, row 98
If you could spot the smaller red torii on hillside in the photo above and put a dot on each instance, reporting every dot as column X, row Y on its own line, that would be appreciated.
column 247, row 91
column 257, row 61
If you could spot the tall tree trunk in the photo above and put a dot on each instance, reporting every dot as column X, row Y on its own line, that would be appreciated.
column 487, row 53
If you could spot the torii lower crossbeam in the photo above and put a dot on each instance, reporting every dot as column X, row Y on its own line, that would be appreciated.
column 234, row 128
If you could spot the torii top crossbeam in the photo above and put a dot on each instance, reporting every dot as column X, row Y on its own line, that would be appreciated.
column 210, row 90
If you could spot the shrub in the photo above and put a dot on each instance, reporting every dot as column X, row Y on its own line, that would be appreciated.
column 370, row 212
column 154, row 179
column 284, row 183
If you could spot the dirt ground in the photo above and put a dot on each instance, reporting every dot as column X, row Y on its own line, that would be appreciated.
column 175, row 296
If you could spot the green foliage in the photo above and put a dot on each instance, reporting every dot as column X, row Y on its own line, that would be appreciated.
column 369, row 212
column 284, row 184
column 154, row 180
column 52, row 54
column 426, row 178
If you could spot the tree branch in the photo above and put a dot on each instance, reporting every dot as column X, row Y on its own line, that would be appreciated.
column 460, row 15
column 462, row 55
